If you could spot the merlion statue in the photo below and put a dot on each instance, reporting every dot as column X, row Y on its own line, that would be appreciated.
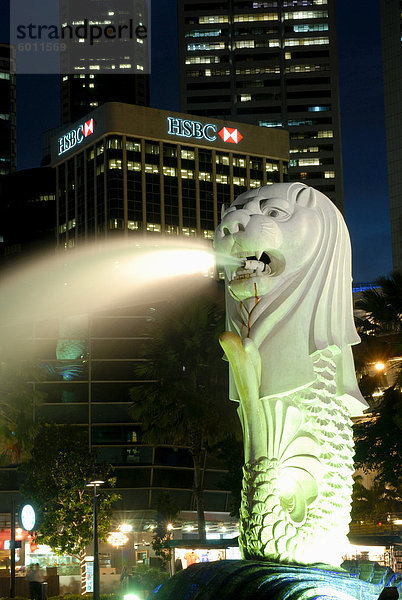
column 288, row 341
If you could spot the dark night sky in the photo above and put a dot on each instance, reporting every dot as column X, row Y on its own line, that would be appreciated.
column 362, row 117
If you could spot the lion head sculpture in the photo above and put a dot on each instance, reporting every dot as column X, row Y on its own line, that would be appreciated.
column 292, row 292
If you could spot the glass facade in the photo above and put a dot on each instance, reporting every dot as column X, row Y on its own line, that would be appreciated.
column 130, row 184
column 87, row 365
column 8, row 150
column 278, row 60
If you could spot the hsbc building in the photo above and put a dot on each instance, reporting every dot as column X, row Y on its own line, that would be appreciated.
column 132, row 169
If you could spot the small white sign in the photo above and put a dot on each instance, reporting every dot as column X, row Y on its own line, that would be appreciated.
column 28, row 517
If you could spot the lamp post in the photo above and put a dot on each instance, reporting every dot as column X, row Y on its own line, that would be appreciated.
column 94, row 484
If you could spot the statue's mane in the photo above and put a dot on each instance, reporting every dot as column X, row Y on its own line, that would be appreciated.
column 324, row 282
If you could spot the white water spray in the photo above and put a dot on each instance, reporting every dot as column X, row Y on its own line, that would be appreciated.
column 99, row 276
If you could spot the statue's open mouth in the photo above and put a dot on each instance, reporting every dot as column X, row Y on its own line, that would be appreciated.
column 256, row 265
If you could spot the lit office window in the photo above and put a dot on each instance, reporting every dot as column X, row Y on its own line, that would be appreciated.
column 311, row 41
column 325, row 134
column 239, row 181
column 115, row 163
column 216, row 72
column 256, row 17
column 203, row 176
column 207, row 234
column 133, row 146
column 133, row 166
column 189, row 231
column 203, row 33
column 258, row 70
column 239, row 162
column 270, row 167
column 329, row 174
column 116, row 224
column 114, row 143
column 151, row 168
column 170, row 171
column 214, row 19
column 171, row 229
column 206, row 46
column 133, row 225
column 156, row 227
column 306, row 68
column 302, row 150
column 187, row 174
column 202, row 60
column 221, row 178
column 188, row 154
column 245, row 44
column 306, row 14
column 307, row 27
column 308, row 162
column 245, row 97
column 255, row 183
column 221, row 159
column 318, row 108
column 270, row 123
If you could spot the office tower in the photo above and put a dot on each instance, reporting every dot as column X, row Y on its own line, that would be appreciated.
column 131, row 169
column 82, row 93
column 27, row 213
column 391, row 26
column 8, row 151
column 272, row 63
column 103, row 72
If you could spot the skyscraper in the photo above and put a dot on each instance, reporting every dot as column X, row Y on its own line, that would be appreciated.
column 8, row 152
column 391, row 25
column 103, row 72
column 271, row 63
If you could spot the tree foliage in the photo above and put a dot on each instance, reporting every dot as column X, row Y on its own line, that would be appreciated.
column 378, row 440
column 185, row 399
column 18, row 426
column 166, row 513
column 56, row 476
column 373, row 504
column 383, row 306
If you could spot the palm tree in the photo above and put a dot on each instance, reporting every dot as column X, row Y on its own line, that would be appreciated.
column 18, row 426
column 373, row 504
column 186, row 402
column 380, row 330
column 383, row 306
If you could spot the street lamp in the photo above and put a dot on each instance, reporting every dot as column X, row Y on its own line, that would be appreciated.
column 94, row 484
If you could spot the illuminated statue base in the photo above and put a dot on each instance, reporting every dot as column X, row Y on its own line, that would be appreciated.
column 257, row 580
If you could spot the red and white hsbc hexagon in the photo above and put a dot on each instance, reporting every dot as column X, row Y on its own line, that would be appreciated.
column 75, row 136
column 230, row 134
column 207, row 131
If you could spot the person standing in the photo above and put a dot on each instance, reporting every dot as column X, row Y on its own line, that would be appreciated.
column 37, row 580
column 28, row 577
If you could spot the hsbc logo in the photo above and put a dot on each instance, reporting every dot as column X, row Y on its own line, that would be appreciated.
column 208, row 131
column 229, row 134
column 75, row 136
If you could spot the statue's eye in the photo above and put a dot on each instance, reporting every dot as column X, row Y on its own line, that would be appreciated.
column 276, row 212
column 273, row 212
